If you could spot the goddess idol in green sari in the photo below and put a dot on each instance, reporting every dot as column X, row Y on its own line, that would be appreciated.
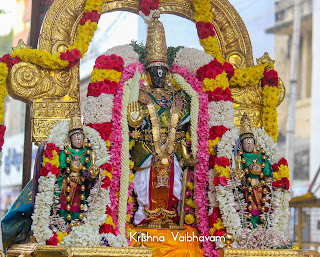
column 254, row 169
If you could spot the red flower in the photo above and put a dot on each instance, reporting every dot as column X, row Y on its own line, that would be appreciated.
column 16, row 60
column 105, row 229
column 283, row 161
column 275, row 167
column 270, row 78
column 106, row 182
column 48, row 166
column 211, row 73
column 7, row 60
column 43, row 172
column 205, row 29
column 145, row 8
column 216, row 180
column 55, row 171
column 214, row 216
column 224, row 162
column 154, row 4
column 212, row 161
column 217, row 131
column 228, row 68
column 223, row 181
column 220, row 232
column 53, row 240
column 108, row 210
column 76, row 53
column 107, row 166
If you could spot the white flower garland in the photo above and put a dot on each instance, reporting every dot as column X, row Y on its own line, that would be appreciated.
column 194, row 110
column 41, row 214
column 88, row 233
column 192, row 59
column 126, row 52
column 125, row 170
column 92, row 111
column 218, row 111
column 278, row 219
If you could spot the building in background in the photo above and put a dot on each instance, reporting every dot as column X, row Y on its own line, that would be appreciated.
column 282, row 30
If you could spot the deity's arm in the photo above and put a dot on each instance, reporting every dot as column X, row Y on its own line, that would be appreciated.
column 135, row 115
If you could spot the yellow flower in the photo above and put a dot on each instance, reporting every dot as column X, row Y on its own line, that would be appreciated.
column 211, row 144
column 108, row 143
column 109, row 221
column 190, row 203
column 106, row 174
column 131, row 144
column 131, row 177
column 211, row 231
column 131, row 164
column 218, row 225
column 188, row 137
column 128, row 218
column 60, row 236
column 190, row 185
column 222, row 171
column 54, row 160
column 189, row 219
column 130, row 200
column 276, row 176
column 221, row 80
column 283, row 171
column 101, row 74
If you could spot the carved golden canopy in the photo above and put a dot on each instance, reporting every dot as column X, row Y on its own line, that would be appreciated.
column 54, row 93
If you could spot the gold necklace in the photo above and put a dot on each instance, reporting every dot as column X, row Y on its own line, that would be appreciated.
column 167, row 149
column 254, row 167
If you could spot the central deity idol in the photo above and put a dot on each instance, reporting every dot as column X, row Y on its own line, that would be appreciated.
column 159, row 122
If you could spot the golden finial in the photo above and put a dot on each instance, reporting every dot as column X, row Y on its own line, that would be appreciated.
column 21, row 45
column 156, row 45
column 265, row 59
column 245, row 127
column 75, row 122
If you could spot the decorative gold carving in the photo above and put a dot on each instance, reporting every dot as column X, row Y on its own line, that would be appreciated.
column 265, row 58
column 32, row 83
column 65, row 251
column 21, row 45
column 231, row 252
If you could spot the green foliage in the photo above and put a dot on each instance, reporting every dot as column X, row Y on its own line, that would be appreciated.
column 172, row 51
column 6, row 42
column 287, row 246
column 141, row 50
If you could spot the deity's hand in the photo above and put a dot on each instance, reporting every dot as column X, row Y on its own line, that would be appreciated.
column 187, row 161
column 135, row 114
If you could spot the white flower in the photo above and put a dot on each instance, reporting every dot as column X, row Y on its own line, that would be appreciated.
column 98, row 109
column 126, row 52
column 192, row 59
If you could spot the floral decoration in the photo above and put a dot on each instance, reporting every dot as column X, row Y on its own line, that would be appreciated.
column 231, row 201
column 269, row 83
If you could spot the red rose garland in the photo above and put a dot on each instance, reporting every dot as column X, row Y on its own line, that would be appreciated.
column 146, row 6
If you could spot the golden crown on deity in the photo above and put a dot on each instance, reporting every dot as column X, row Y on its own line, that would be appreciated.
column 156, row 46
column 75, row 122
column 245, row 127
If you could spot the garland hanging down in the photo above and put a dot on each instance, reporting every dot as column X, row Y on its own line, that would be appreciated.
column 48, row 227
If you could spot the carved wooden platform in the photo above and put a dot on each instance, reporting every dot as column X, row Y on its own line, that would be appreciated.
column 25, row 250
column 232, row 252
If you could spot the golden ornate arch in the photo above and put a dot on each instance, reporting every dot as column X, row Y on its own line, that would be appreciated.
column 54, row 93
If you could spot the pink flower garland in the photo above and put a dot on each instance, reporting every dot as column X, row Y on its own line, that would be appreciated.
column 201, row 171
column 116, row 143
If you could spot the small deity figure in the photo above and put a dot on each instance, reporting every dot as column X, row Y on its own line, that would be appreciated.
column 254, row 169
column 78, row 170
column 159, row 122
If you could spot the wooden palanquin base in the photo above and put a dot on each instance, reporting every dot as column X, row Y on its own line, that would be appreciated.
column 232, row 252
column 25, row 250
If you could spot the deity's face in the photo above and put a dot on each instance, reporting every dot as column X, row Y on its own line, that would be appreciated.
column 77, row 140
column 248, row 144
column 158, row 76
